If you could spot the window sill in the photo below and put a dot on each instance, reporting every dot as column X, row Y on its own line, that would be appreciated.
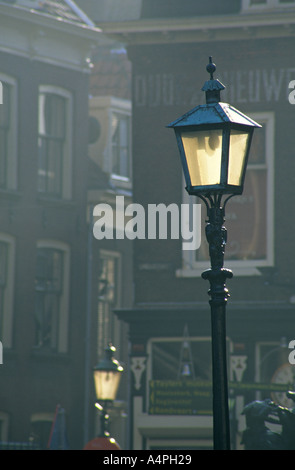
column 44, row 354
column 254, row 9
column 121, row 182
column 10, row 193
column 46, row 198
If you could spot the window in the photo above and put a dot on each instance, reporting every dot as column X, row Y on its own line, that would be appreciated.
column 108, row 298
column 48, row 291
column 51, row 297
column 112, row 151
column 8, row 133
column 120, row 145
column 54, row 142
column 175, row 358
column 173, row 363
column 6, row 289
column 3, row 277
column 249, row 217
column 41, row 424
column 261, row 4
column 273, row 367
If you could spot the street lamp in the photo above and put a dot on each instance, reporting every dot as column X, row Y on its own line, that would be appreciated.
column 214, row 142
column 107, row 375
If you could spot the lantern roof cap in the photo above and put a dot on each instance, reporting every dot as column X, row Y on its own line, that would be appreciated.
column 213, row 85
column 108, row 363
column 213, row 113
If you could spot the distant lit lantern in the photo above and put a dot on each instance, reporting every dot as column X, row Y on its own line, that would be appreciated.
column 214, row 141
column 107, row 376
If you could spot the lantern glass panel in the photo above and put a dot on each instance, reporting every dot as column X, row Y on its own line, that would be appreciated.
column 239, row 141
column 203, row 150
column 106, row 384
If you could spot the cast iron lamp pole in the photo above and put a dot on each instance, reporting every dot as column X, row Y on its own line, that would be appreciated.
column 214, row 142
column 217, row 275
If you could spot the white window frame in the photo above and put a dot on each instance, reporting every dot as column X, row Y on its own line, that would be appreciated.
column 123, row 108
column 118, row 177
column 102, row 108
column 113, row 255
column 193, row 268
column 246, row 5
column 63, row 326
column 12, row 161
column 7, row 325
column 67, row 166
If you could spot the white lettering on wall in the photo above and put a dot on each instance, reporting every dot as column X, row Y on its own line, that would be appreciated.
column 242, row 86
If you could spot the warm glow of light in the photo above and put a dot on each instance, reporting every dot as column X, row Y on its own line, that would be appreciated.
column 203, row 155
column 237, row 153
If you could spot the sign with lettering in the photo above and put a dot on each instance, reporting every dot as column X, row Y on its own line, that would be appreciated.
column 192, row 397
column 187, row 397
column 242, row 86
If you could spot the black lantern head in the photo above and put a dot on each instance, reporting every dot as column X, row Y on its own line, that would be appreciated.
column 214, row 142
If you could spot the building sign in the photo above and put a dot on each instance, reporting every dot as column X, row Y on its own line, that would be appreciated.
column 180, row 397
column 192, row 397
column 242, row 86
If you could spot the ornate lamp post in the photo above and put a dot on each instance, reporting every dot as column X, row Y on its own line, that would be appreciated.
column 214, row 142
column 107, row 375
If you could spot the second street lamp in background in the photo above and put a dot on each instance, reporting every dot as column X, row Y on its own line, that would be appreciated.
column 107, row 375
column 214, row 142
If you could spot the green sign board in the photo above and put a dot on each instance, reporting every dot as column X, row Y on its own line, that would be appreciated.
column 185, row 397
column 190, row 397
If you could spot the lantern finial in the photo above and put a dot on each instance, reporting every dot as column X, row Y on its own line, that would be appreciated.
column 212, row 87
column 211, row 68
